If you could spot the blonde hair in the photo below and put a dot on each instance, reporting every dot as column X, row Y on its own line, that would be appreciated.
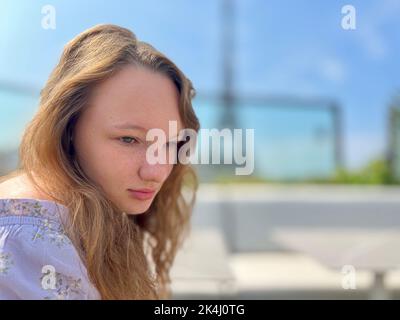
column 119, row 250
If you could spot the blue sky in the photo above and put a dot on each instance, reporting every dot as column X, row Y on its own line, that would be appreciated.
column 294, row 47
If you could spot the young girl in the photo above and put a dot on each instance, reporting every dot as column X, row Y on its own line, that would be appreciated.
column 85, row 215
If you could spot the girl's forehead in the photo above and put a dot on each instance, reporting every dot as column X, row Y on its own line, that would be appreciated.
column 135, row 98
column 143, row 85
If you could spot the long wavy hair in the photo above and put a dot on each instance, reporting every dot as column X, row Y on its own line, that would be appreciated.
column 126, row 256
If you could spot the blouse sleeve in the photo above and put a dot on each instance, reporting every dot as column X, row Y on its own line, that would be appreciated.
column 38, row 262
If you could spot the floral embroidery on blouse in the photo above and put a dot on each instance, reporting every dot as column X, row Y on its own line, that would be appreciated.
column 32, row 237
column 55, row 234
column 5, row 262
column 65, row 287
column 50, row 228
column 31, row 207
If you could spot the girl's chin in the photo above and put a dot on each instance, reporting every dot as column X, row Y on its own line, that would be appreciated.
column 135, row 210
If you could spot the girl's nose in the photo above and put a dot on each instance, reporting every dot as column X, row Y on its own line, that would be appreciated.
column 154, row 172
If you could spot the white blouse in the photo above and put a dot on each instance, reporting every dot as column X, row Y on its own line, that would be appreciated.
column 37, row 259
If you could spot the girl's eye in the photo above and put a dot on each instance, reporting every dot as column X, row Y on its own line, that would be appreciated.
column 128, row 140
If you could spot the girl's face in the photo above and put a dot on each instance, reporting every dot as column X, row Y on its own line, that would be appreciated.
column 110, row 135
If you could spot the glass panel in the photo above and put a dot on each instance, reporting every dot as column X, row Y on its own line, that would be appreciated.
column 16, row 110
column 293, row 141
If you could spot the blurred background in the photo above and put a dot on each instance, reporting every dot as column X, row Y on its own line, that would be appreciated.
column 319, row 217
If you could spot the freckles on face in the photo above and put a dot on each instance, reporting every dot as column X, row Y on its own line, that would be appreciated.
column 110, row 135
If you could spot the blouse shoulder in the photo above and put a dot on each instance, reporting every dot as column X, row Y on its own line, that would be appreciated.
column 37, row 259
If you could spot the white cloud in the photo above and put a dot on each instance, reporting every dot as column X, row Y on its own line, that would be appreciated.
column 370, row 29
column 333, row 70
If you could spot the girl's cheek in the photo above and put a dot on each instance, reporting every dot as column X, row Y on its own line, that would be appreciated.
column 168, row 170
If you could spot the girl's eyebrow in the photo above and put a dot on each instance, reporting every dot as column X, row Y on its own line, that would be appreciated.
column 129, row 126
column 133, row 126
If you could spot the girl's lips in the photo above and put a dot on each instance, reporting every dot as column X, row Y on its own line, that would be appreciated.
column 141, row 194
